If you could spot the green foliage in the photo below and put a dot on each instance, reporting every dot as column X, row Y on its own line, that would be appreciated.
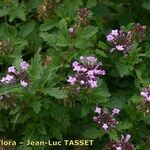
column 49, row 108
column 93, row 133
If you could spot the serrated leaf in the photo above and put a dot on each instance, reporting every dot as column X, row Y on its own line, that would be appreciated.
column 88, row 32
column 56, row 39
column 124, row 69
column 27, row 28
column 14, row 111
column 93, row 133
column 36, row 105
column 62, row 26
column 102, row 45
column 55, row 132
column 42, row 130
column 101, row 53
column 17, row 12
column 91, row 3
column 101, row 93
column 124, row 125
column 135, row 99
column 7, row 89
column 85, row 110
column 48, row 25
column 60, row 114
column 35, row 68
column 147, row 120
column 113, row 135
column 4, row 11
column 55, row 92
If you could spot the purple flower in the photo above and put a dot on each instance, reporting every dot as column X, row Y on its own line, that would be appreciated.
column 11, row 69
column 91, row 60
column 24, row 83
column 110, row 37
column 83, row 69
column 99, row 72
column 104, row 119
column 124, row 40
column 9, row 77
column 72, row 80
column 119, row 47
column 82, row 58
column 123, row 144
column 24, row 65
column 127, row 138
column 145, row 93
column 75, row 63
column 1, row 97
column 71, row 30
column 115, row 111
column 114, row 32
column 118, row 148
column 82, row 82
column 105, row 126
column 3, row 79
column 90, row 72
column 98, row 110
column 87, row 72
column 92, row 83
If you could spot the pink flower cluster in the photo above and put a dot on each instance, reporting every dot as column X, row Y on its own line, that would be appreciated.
column 123, row 41
column 145, row 93
column 88, row 70
column 104, row 119
column 13, row 76
column 72, row 32
column 123, row 144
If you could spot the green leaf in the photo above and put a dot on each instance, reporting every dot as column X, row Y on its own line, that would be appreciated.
column 36, row 68
column 101, row 93
column 85, row 110
column 27, row 28
column 17, row 12
column 91, row 3
column 33, row 4
column 102, row 45
column 42, row 130
column 124, row 69
column 4, row 11
column 93, row 133
column 147, row 120
column 55, row 92
column 48, row 25
column 87, row 32
column 24, row 147
column 127, row 27
column 9, row 89
column 36, row 105
column 135, row 99
column 19, row 44
column 146, row 5
column 124, row 125
column 101, row 53
column 56, row 39
column 62, row 26
column 60, row 114
column 113, row 135
column 55, row 131
column 14, row 111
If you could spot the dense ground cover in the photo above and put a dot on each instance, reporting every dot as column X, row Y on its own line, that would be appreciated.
column 75, row 69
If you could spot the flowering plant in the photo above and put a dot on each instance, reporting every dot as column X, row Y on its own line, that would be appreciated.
column 75, row 70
